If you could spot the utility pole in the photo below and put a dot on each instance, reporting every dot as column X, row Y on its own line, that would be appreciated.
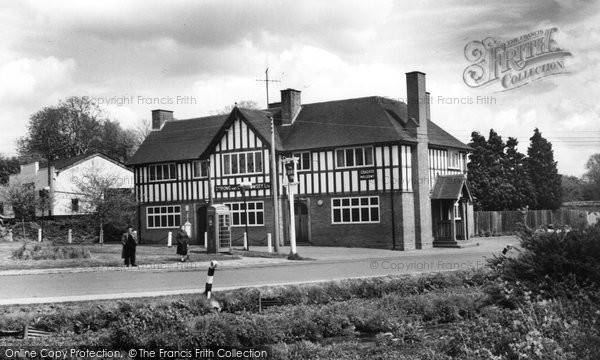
column 291, row 166
column 274, row 188
column 267, row 81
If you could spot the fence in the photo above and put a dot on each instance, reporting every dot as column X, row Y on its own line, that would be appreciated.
column 506, row 222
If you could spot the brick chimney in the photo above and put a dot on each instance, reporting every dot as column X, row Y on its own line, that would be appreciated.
column 290, row 106
column 159, row 117
column 418, row 109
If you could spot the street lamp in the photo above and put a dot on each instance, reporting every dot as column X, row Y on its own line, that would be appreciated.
column 44, row 200
column 291, row 166
column 245, row 185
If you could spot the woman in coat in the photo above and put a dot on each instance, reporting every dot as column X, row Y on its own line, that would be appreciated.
column 129, row 241
column 182, row 243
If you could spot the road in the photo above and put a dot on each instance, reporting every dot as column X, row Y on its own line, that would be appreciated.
column 44, row 288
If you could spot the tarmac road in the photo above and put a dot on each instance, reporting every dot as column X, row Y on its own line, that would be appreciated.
column 77, row 286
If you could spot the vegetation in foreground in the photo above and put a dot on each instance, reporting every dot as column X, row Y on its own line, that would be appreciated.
column 542, row 303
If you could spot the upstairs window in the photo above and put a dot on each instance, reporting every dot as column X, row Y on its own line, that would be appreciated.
column 303, row 160
column 162, row 172
column 354, row 157
column 454, row 160
column 74, row 205
column 200, row 169
column 243, row 163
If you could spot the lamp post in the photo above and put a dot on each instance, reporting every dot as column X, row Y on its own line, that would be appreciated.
column 245, row 185
column 44, row 201
column 291, row 166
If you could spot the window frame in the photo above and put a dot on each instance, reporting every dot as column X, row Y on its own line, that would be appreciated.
column 227, row 166
column 454, row 155
column 354, row 157
column 299, row 155
column 239, row 211
column 75, row 205
column 159, row 215
column 359, row 206
column 152, row 175
column 202, row 165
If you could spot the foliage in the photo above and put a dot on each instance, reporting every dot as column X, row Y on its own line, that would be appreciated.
column 592, row 178
column 76, row 126
column 543, row 173
column 104, row 201
column 37, row 251
column 22, row 198
column 8, row 166
column 244, row 104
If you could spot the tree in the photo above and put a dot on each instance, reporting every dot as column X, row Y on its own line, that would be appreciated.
column 477, row 174
column 543, row 173
column 104, row 201
column 592, row 178
column 8, row 166
column 76, row 126
column 515, row 174
column 573, row 188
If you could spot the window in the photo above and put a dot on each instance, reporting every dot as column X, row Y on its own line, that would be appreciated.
column 303, row 160
column 406, row 160
column 74, row 205
column 457, row 212
column 200, row 169
column 162, row 172
column 243, row 163
column 256, row 213
column 159, row 217
column 454, row 160
column 354, row 157
column 354, row 210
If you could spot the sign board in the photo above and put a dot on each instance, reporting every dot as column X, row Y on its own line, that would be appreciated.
column 366, row 174
column 258, row 186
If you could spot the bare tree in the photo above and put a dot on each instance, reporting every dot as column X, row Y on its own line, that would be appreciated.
column 245, row 104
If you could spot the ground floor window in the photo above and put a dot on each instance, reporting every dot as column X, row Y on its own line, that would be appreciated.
column 355, row 210
column 163, row 216
column 256, row 213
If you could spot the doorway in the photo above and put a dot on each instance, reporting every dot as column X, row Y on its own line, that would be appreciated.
column 302, row 223
column 201, row 224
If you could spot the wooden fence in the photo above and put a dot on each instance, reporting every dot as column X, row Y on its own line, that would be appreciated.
column 506, row 222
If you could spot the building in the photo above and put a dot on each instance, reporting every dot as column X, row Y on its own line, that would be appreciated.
column 366, row 172
column 66, row 175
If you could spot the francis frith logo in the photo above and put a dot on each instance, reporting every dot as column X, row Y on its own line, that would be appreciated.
column 515, row 62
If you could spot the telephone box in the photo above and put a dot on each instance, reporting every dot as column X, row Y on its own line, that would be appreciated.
column 218, row 229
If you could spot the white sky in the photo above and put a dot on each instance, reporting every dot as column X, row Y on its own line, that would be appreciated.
column 213, row 52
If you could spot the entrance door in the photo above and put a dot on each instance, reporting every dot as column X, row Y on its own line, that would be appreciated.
column 301, row 218
column 201, row 224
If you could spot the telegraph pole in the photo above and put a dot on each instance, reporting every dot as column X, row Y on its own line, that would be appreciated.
column 274, row 187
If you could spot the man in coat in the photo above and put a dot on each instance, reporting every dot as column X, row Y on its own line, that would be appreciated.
column 182, row 243
column 129, row 241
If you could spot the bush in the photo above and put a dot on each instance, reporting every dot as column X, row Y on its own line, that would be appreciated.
column 37, row 251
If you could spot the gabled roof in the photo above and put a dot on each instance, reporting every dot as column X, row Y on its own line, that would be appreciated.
column 338, row 123
column 63, row 164
column 450, row 187
column 192, row 138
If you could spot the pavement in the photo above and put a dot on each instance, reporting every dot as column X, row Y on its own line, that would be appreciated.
column 320, row 254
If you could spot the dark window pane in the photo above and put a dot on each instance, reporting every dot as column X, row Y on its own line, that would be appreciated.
column 259, row 218
column 171, row 219
column 177, row 220
column 364, row 201
column 374, row 200
column 234, row 164
column 150, row 221
column 243, row 218
column 259, row 205
column 374, row 214
column 243, row 163
column 172, row 171
column 250, row 163
column 346, row 215
column 349, row 157
column 163, row 220
column 306, row 161
column 251, row 206
column 346, row 202
column 354, row 201
column 336, row 202
column 251, row 218
column 150, row 210
column 152, row 171
column 258, row 162
column 364, row 213
column 337, row 215
column 159, row 173
column 340, row 158
column 359, row 157
column 226, row 165
column 236, row 218
column 355, row 215
column 368, row 156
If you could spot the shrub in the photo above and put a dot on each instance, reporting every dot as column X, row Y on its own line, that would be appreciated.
column 37, row 251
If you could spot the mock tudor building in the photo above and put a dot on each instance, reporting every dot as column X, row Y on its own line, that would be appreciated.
column 372, row 172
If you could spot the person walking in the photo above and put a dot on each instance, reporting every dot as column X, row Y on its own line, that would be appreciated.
column 182, row 243
column 129, row 241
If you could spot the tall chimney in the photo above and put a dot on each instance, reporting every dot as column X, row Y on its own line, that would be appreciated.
column 159, row 117
column 290, row 106
column 418, row 110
